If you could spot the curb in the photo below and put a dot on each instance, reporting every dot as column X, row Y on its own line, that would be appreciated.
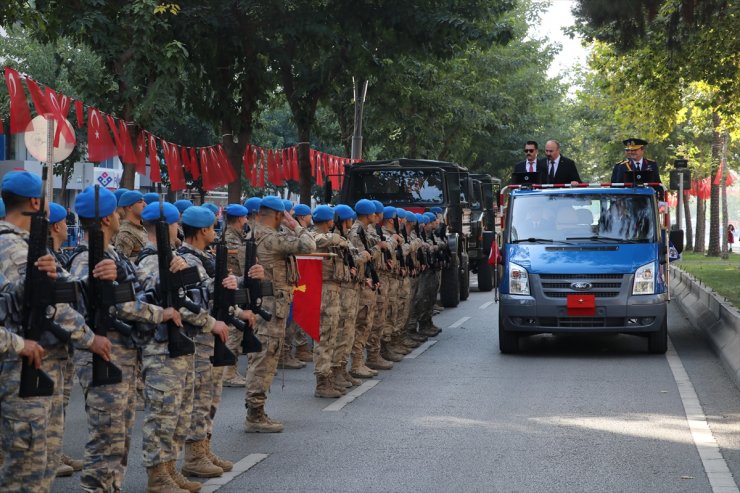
column 719, row 320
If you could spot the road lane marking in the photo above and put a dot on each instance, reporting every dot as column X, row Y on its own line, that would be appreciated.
column 352, row 395
column 715, row 467
column 485, row 305
column 240, row 467
column 459, row 323
column 416, row 352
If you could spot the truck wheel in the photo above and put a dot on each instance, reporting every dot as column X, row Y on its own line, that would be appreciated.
column 449, row 289
column 658, row 341
column 465, row 278
column 508, row 342
column 485, row 275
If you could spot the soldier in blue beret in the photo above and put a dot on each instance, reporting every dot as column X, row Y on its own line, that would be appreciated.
column 58, row 231
column 253, row 205
column 323, row 213
column 436, row 210
column 364, row 207
column 273, row 203
column 301, row 210
column 152, row 213
column 288, row 205
column 151, row 197
column 2, row 209
column 118, row 193
column 211, row 207
column 182, row 205
column 131, row 237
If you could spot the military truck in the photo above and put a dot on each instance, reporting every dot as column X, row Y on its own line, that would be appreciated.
column 483, row 228
column 418, row 185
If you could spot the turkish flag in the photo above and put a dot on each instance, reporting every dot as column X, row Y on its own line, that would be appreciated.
column 174, row 168
column 127, row 154
column 581, row 305
column 20, row 113
column 39, row 100
column 140, row 153
column 154, row 174
column 307, row 296
column 80, row 113
column 194, row 166
column 495, row 256
column 261, row 170
column 99, row 144
column 58, row 104
column 226, row 166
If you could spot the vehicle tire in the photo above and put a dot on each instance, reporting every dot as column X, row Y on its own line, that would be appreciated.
column 658, row 341
column 485, row 275
column 508, row 342
column 465, row 278
column 449, row 289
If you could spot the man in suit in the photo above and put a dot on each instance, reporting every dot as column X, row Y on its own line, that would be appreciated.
column 635, row 150
column 531, row 164
column 559, row 168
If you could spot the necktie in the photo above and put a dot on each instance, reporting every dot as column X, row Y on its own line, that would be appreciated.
column 637, row 166
column 531, row 166
column 551, row 173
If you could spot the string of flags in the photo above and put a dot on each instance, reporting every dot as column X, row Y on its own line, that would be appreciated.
column 108, row 136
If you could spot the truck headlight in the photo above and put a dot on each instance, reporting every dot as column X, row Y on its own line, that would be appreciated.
column 644, row 282
column 518, row 280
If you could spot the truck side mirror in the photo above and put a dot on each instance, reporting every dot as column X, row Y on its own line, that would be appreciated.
column 676, row 237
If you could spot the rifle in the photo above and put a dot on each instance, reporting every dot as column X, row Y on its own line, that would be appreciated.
column 399, row 248
column 40, row 294
column 349, row 260
column 369, row 264
column 172, row 288
column 250, row 343
column 386, row 253
column 102, row 296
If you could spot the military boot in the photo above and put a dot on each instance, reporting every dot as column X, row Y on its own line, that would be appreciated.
column 339, row 380
column 197, row 463
column 64, row 471
column 358, row 368
column 303, row 353
column 415, row 336
column 388, row 353
column 325, row 389
column 376, row 362
column 258, row 422
column 397, row 346
column 160, row 481
column 75, row 464
column 232, row 378
column 287, row 360
column 345, row 374
column 224, row 464
column 180, row 480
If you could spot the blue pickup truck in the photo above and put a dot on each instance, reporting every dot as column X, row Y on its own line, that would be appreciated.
column 583, row 260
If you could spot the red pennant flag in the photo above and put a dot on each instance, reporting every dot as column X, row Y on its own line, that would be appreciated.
column 261, row 182
column 319, row 176
column 20, row 114
column 174, row 168
column 205, row 169
column 226, row 164
column 39, row 101
column 116, row 137
column 718, row 175
column 307, row 296
column 194, row 167
column 154, row 174
column 127, row 151
column 185, row 158
column 140, row 153
column 58, row 105
column 80, row 113
column 216, row 175
column 99, row 144
column 294, row 171
column 246, row 161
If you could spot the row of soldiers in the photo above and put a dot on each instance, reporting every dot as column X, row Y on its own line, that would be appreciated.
column 371, row 253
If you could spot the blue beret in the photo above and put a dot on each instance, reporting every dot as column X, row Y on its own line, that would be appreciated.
column 364, row 207
column 198, row 217
column 236, row 210
column 344, row 212
column 323, row 213
column 288, row 205
column 419, row 217
column 401, row 212
column 389, row 212
column 302, row 210
column 151, row 197
column 411, row 217
column 56, row 213
column 120, row 192
column 436, row 210
column 2, row 209
column 151, row 213
column 85, row 203
column 252, row 204
column 431, row 215
column 378, row 206
column 22, row 183
column 183, row 204
column 211, row 207
column 272, row 202
column 129, row 198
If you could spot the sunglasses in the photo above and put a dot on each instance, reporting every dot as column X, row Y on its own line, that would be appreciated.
column 530, row 150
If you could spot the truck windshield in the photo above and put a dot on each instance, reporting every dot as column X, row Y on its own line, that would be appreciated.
column 399, row 186
column 597, row 217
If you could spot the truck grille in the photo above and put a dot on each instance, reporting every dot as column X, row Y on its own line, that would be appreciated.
column 602, row 285
column 581, row 322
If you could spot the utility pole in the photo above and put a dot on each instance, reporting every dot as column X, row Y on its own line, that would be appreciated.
column 359, row 104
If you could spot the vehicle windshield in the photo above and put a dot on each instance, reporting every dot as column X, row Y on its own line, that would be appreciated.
column 593, row 217
column 399, row 186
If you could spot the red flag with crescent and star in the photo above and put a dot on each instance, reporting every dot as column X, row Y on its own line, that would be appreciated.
column 99, row 144
column 20, row 113
column 307, row 296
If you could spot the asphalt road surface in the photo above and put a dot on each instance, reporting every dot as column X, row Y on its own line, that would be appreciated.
column 570, row 413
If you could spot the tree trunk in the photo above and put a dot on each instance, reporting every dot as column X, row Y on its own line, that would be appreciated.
column 689, row 229
column 304, row 163
column 235, row 151
column 723, row 189
column 714, row 244
column 701, row 219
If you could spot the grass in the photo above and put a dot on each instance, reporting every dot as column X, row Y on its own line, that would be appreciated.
column 721, row 275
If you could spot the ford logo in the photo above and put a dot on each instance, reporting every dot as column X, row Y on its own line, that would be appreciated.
column 580, row 286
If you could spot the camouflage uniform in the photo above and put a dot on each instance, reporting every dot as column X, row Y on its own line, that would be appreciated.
column 350, row 287
column 33, row 427
column 431, row 288
column 111, row 408
column 388, row 285
column 130, row 239
column 411, row 310
column 235, row 243
column 367, row 300
column 275, row 251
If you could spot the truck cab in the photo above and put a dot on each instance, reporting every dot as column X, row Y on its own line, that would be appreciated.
column 584, row 260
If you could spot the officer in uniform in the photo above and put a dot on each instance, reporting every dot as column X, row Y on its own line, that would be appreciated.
column 131, row 236
column 275, row 250
column 236, row 219
column 169, row 380
column 637, row 162
column 33, row 427
column 110, row 408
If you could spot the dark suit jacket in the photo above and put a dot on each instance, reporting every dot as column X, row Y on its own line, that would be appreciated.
column 521, row 167
column 566, row 172
column 650, row 171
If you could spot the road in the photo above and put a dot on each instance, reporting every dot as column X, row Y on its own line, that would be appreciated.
column 571, row 413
